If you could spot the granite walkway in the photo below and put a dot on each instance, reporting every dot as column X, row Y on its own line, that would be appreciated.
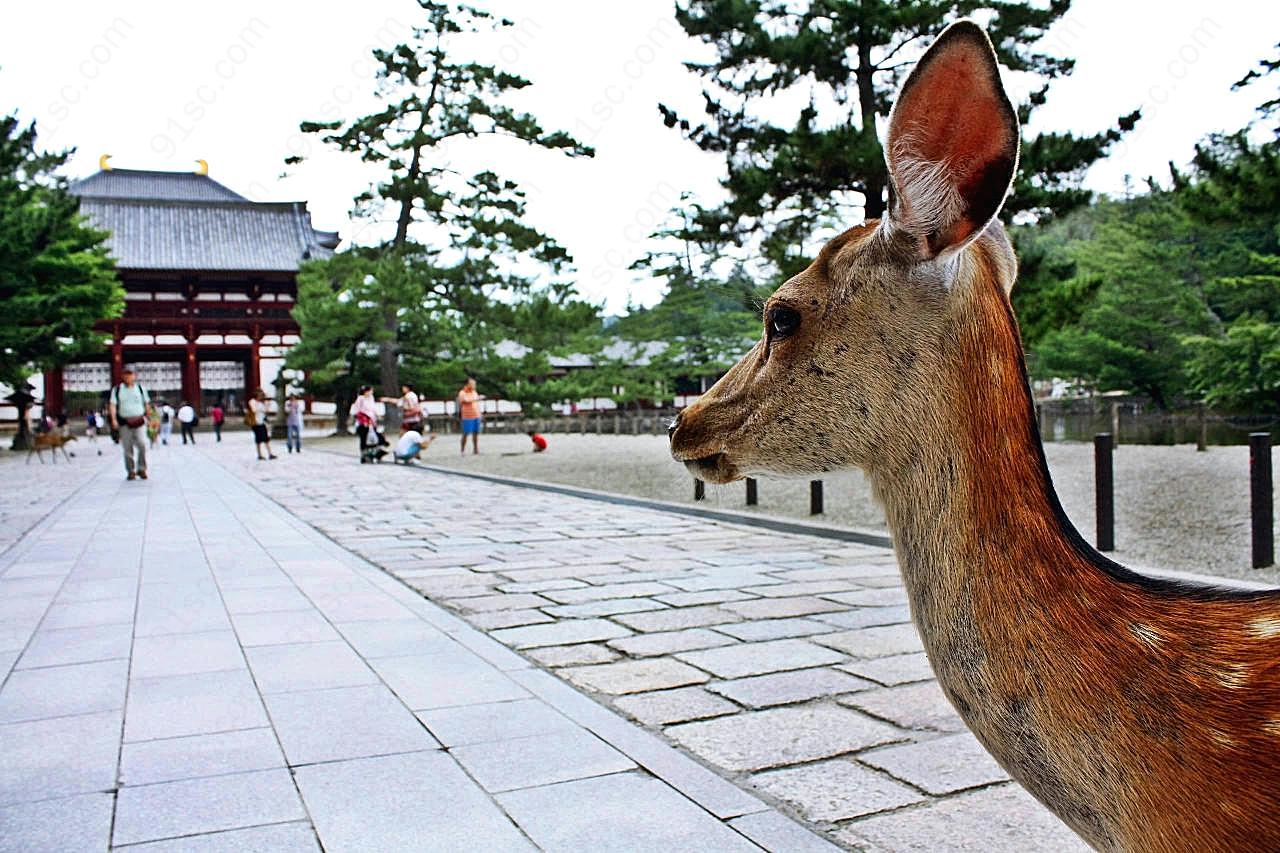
column 785, row 661
column 186, row 666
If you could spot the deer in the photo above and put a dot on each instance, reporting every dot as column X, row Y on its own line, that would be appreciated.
column 1143, row 712
column 51, row 441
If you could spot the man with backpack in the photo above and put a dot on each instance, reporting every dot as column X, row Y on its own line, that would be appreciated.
column 127, row 408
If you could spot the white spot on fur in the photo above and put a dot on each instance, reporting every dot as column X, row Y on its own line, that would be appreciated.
column 1222, row 738
column 1234, row 677
column 1264, row 627
column 1148, row 635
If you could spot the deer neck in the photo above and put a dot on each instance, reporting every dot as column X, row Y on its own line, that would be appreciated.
column 970, row 505
column 991, row 566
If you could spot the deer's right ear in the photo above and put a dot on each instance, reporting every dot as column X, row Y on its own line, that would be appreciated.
column 952, row 144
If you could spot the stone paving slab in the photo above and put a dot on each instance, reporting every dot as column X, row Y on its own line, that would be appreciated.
column 802, row 646
column 190, row 667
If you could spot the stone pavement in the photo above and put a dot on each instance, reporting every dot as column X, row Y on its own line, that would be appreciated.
column 33, row 490
column 786, row 662
column 188, row 667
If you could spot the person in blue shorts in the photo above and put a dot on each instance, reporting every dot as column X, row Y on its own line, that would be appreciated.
column 469, row 411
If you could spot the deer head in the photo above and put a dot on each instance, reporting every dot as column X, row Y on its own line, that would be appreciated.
column 859, row 349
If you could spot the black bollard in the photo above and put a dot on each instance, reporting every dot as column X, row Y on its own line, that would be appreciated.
column 1261, row 497
column 752, row 497
column 815, row 497
column 699, row 490
column 1104, row 500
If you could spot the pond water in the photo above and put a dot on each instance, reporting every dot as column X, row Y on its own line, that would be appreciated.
column 1156, row 429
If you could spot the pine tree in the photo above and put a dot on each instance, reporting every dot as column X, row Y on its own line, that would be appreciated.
column 429, row 98
column 837, row 63
column 56, row 278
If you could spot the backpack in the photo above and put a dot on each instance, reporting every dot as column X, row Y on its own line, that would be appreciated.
column 250, row 419
column 115, row 394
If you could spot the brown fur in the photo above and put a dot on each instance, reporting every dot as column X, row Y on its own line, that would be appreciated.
column 51, row 441
column 1144, row 714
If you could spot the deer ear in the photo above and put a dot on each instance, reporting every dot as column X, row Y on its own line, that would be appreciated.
column 952, row 144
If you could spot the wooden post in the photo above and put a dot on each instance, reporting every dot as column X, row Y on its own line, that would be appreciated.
column 1115, row 422
column 253, row 378
column 815, row 497
column 699, row 490
column 191, row 376
column 54, row 386
column 1202, row 433
column 117, row 361
column 1261, row 496
column 752, row 496
column 1104, row 500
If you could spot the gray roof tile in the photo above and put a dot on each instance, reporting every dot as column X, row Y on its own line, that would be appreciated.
column 179, row 221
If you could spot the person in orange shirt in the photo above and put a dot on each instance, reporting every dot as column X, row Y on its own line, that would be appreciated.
column 469, row 411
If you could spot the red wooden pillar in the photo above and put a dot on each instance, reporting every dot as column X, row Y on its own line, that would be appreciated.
column 117, row 361
column 191, row 376
column 254, row 378
column 53, row 392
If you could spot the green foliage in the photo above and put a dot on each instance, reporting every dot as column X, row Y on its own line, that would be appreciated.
column 840, row 61
column 1144, row 257
column 1240, row 369
column 1174, row 294
column 56, row 277
column 336, row 310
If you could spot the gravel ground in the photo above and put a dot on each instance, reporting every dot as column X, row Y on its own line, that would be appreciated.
column 1175, row 508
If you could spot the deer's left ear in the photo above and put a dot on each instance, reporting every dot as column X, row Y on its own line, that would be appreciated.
column 953, row 143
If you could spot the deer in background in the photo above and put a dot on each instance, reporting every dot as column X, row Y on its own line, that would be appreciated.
column 1143, row 713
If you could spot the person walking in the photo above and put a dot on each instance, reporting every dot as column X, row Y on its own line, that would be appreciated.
column 217, row 415
column 294, row 408
column 469, row 413
column 187, row 421
column 259, row 417
column 410, row 409
column 128, row 406
column 166, row 422
column 92, row 422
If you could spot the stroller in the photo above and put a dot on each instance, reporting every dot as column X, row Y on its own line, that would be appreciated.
column 374, row 442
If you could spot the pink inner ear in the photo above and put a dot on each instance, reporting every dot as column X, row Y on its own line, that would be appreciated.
column 952, row 113
column 953, row 141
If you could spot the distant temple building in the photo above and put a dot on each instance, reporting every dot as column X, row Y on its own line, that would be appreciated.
column 210, row 278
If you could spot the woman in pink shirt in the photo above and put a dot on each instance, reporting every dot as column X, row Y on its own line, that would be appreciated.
column 366, row 412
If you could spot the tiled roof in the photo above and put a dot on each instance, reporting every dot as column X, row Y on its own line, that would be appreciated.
column 178, row 221
column 143, row 184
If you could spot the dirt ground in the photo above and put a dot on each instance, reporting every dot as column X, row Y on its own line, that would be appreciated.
column 1175, row 508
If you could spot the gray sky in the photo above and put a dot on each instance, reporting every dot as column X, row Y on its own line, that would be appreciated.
column 160, row 84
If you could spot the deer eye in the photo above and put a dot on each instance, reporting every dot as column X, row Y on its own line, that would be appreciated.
column 783, row 322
